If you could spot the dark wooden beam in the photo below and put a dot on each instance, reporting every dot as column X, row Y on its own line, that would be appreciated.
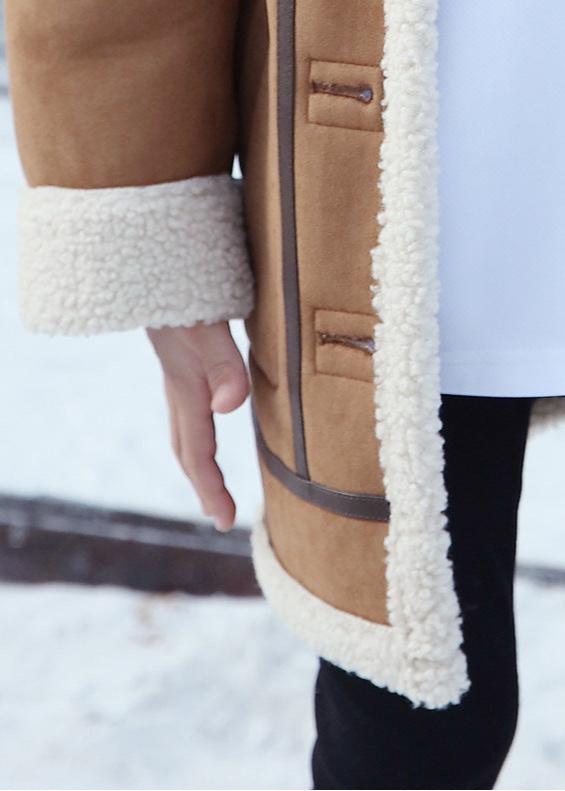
column 46, row 540
column 43, row 539
column 542, row 575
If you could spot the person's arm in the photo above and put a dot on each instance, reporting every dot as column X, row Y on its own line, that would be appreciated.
column 126, row 126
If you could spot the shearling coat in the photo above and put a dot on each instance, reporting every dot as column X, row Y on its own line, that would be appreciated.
column 128, row 117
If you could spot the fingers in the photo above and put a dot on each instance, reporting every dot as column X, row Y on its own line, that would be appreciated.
column 204, row 373
column 173, row 419
column 197, row 450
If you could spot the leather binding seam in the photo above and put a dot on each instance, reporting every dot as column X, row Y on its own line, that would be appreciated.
column 360, row 93
column 356, row 342
column 366, row 507
column 285, row 129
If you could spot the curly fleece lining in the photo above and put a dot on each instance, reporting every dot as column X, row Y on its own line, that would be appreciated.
column 94, row 260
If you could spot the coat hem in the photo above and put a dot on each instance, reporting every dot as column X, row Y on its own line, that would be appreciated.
column 116, row 258
column 376, row 652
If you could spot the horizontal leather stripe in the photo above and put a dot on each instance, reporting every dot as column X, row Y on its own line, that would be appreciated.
column 370, row 507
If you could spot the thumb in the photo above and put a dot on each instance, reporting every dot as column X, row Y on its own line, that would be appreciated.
column 224, row 369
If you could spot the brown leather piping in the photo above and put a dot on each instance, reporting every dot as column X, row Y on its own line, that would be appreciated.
column 369, row 507
column 285, row 131
column 361, row 93
column 366, row 345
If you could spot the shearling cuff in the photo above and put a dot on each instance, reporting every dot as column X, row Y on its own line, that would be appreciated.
column 95, row 260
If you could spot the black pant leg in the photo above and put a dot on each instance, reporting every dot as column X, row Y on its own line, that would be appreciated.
column 369, row 738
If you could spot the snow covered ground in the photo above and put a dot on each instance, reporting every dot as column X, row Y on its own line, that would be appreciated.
column 112, row 689
column 109, row 689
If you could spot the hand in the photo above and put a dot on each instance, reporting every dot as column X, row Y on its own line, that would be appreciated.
column 204, row 373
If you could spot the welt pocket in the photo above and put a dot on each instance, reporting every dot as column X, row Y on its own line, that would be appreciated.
column 345, row 94
column 344, row 344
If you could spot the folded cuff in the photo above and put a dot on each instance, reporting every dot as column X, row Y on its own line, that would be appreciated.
column 116, row 258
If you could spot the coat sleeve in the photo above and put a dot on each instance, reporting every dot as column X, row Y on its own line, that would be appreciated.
column 126, row 125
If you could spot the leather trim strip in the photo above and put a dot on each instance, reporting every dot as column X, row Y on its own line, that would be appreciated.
column 285, row 132
column 369, row 507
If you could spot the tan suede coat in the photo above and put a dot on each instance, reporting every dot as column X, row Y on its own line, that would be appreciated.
column 128, row 117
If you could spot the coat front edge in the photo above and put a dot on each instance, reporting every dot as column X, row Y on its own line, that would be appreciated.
column 419, row 655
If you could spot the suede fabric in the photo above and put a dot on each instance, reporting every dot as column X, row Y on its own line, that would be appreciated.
column 338, row 559
column 122, row 94
column 336, row 228
column 257, row 71
column 336, row 206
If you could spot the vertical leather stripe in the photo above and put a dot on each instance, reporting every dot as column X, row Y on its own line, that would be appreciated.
column 285, row 129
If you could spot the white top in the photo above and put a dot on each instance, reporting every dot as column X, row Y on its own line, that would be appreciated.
column 502, row 197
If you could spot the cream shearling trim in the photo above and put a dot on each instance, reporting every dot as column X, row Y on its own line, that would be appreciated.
column 94, row 260
column 419, row 655
column 373, row 651
column 422, row 602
